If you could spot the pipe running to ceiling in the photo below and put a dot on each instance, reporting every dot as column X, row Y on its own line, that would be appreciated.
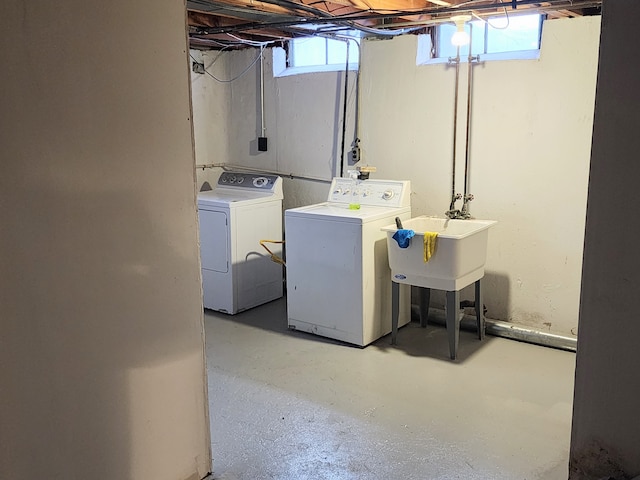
column 467, row 197
column 263, row 127
column 355, row 145
column 344, row 109
column 468, row 126
column 456, row 61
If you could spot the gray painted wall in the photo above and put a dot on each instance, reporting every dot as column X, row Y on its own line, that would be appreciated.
column 606, row 424
column 102, row 371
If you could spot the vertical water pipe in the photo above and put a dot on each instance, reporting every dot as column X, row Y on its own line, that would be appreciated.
column 344, row 110
column 467, row 196
column 456, row 60
column 262, row 125
column 466, row 154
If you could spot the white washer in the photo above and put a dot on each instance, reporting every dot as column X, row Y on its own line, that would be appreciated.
column 237, row 273
column 337, row 267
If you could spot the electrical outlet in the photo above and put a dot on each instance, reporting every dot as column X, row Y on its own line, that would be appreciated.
column 355, row 154
column 197, row 67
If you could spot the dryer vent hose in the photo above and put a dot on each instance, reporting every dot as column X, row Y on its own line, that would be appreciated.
column 274, row 257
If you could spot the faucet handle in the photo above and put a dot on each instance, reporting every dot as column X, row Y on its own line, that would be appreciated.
column 468, row 197
column 452, row 213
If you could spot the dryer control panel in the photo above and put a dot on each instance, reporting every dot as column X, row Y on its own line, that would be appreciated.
column 250, row 181
column 384, row 193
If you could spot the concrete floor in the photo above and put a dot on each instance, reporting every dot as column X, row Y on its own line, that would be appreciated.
column 289, row 405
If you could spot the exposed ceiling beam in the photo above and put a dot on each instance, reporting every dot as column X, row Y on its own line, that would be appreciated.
column 486, row 7
column 280, row 18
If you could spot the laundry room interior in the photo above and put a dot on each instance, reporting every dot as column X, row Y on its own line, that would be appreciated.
column 530, row 143
column 416, row 263
column 515, row 132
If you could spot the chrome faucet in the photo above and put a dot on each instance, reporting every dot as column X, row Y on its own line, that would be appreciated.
column 453, row 212
column 464, row 213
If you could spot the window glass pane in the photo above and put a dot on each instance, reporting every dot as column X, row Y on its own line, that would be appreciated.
column 523, row 33
column 337, row 52
column 354, row 51
column 477, row 42
column 447, row 49
column 308, row 51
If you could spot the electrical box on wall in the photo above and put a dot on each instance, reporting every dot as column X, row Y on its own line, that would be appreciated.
column 197, row 67
column 355, row 154
column 262, row 144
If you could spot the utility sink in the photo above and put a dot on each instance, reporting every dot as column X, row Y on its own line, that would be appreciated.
column 458, row 260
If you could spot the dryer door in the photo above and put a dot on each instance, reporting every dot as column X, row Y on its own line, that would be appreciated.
column 214, row 246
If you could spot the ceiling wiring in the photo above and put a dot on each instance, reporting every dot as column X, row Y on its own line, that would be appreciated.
column 437, row 14
column 240, row 75
column 506, row 14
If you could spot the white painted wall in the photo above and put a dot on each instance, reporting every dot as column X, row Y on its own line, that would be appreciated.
column 531, row 132
column 101, row 328
column 303, row 119
column 606, row 431
column 211, row 107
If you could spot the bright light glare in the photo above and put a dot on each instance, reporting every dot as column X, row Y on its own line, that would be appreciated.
column 460, row 38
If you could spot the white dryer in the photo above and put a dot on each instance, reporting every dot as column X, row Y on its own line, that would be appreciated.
column 337, row 267
column 237, row 273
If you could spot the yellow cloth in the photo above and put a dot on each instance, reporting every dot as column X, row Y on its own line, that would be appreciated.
column 430, row 239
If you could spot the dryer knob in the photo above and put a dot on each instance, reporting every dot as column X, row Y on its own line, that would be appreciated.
column 260, row 181
column 388, row 194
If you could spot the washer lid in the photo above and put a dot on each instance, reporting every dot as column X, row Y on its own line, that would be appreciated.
column 233, row 198
column 340, row 212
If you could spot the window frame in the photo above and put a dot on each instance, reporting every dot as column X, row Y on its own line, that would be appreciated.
column 430, row 54
column 284, row 67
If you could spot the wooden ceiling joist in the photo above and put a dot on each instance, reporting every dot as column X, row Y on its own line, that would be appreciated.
column 259, row 19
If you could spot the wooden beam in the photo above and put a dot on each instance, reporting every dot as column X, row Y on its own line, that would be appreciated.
column 261, row 7
column 206, row 19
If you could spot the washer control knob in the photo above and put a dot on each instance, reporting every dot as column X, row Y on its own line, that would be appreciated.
column 232, row 179
column 260, row 181
column 388, row 194
column 337, row 191
column 240, row 179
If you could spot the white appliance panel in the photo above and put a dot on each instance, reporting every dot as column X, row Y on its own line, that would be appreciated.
column 258, row 279
column 237, row 273
column 217, row 290
column 340, row 212
column 214, row 236
column 324, row 282
column 338, row 276
column 221, row 198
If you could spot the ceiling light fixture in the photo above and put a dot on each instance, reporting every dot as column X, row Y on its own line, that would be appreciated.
column 461, row 37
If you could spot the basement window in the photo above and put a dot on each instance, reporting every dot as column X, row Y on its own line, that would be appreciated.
column 317, row 54
column 513, row 37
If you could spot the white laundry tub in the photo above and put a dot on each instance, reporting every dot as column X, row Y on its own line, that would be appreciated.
column 458, row 260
